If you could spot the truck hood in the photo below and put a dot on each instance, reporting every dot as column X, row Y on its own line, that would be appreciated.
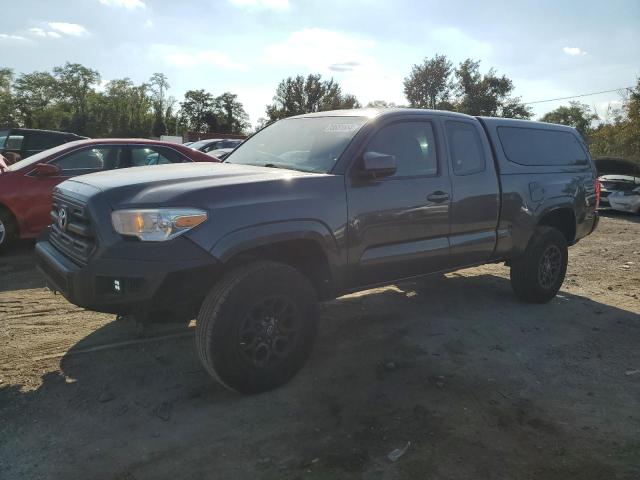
column 173, row 184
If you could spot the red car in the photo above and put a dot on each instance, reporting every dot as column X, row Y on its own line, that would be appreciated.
column 26, row 186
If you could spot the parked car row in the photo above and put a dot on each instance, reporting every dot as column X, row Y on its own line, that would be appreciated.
column 217, row 147
column 26, row 186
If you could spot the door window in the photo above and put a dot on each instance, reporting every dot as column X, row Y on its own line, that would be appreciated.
column 466, row 148
column 90, row 160
column 141, row 156
column 412, row 144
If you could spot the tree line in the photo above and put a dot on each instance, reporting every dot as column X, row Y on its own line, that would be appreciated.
column 72, row 98
column 617, row 135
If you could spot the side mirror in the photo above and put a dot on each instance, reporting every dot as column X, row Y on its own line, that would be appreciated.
column 46, row 170
column 377, row 165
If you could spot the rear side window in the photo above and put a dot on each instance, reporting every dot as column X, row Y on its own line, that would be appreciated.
column 536, row 146
column 466, row 148
column 3, row 137
column 142, row 156
column 14, row 142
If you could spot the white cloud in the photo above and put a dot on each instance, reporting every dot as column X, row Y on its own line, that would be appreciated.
column 7, row 36
column 68, row 28
column 347, row 58
column 573, row 51
column 40, row 32
column 148, row 23
column 188, row 58
column 321, row 50
column 458, row 44
column 262, row 4
column 128, row 4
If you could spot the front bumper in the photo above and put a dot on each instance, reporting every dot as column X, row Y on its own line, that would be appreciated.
column 174, row 277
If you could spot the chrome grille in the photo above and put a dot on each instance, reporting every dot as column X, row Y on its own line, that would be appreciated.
column 71, row 230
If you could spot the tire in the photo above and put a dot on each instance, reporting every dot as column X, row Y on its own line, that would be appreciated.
column 537, row 276
column 8, row 230
column 256, row 327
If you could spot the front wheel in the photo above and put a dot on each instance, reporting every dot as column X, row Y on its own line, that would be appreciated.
column 256, row 328
column 7, row 229
column 537, row 276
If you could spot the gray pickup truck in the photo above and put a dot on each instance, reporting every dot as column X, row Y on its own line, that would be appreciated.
column 313, row 207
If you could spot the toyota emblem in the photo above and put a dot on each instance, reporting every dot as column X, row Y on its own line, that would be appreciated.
column 62, row 218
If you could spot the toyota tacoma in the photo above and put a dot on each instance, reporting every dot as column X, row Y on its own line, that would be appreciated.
column 313, row 207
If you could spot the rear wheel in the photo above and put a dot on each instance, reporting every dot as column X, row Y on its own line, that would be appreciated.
column 256, row 328
column 538, row 275
column 8, row 229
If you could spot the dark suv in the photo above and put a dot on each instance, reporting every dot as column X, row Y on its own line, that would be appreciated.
column 19, row 143
column 313, row 207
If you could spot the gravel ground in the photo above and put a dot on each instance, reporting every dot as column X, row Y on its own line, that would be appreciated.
column 476, row 384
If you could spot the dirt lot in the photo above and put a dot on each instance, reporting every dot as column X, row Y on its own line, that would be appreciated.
column 482, row 386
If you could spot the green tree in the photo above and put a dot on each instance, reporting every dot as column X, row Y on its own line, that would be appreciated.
column 620, row 137
column 429, row 85
column 34, row 98
column 75, row 85
column 232, row 117
column 7, row 114
column 295, row 96
column 488, row 94
column 197, row 111
column 577, row 115
column 123, row 110
column 159, row 85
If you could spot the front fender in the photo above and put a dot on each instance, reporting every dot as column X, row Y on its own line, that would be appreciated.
column 257, row 236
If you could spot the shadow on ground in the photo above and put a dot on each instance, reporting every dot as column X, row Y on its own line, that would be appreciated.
column 480, row 385
column 17, row 267
column 608, row 213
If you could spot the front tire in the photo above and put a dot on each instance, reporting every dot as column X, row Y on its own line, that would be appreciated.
column 8, row 230
column 537, row 276
column 256, row 328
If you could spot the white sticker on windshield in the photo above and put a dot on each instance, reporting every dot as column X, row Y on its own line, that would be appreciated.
column 341, row 127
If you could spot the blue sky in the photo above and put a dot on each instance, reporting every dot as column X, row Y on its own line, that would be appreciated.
column 549, row 48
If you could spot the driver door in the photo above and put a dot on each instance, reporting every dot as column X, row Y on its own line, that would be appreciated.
column 398, row 225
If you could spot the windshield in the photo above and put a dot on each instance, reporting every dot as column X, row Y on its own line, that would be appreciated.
column 39, row 157
column 3, row 137
column 308, row 144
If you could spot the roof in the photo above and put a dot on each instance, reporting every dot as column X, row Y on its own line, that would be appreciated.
column 136, row 141
column 20, row 129
column 381, row 112
column 384, row 112
column 518, row 122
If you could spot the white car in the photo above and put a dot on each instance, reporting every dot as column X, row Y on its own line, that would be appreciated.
column 615, row 183
column 625, row 200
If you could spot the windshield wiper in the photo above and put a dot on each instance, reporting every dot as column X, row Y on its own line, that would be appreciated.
column 275, row 165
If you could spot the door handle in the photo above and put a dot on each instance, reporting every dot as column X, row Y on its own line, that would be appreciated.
column 438, row 197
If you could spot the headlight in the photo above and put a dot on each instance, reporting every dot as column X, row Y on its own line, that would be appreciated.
column 156, row 224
